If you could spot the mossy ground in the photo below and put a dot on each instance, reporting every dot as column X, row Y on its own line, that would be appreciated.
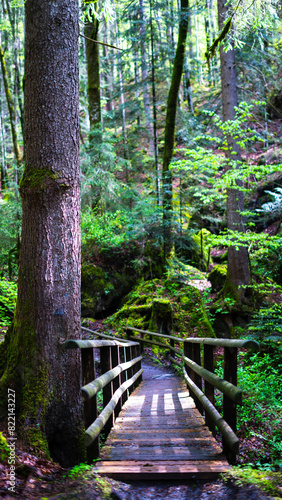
column 189, row 318
column 266, row 480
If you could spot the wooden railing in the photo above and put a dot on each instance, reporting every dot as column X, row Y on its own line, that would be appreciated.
column 119, row 373
column 197, row 360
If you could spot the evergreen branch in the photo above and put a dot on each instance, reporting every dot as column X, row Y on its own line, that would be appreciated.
column 100, row 43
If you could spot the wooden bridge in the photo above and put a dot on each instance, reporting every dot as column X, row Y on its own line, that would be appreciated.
column 155, row 428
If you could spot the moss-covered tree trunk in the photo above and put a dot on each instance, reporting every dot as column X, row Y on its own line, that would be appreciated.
column 238, row 262
column 170, row 126
column 93, row 71
column 46, row 378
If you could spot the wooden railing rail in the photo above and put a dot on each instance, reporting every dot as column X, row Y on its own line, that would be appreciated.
column 120, row 368
column 198, row 372
column 102, row 335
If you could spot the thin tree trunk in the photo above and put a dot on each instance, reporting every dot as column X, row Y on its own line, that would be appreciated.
column 146, row 95
column 107, row 73
column 156, row 149
column 238, row 261
column 16, row 65
column 122, row 99
column 93, row 74
column 199, row 64
column 187, row 88
column 11, row 108
column 170, row 126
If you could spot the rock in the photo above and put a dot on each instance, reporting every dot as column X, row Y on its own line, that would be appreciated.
column 217, row 277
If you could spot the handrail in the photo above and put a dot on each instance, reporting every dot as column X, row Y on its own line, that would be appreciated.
column 191, row 359
column 103, row 335
column 89, row 390
column 225, row 429
column 121, row 372
column 245, row 344
column 94, row 429
column 222, row 385
column 155, row 334
column 84, row 344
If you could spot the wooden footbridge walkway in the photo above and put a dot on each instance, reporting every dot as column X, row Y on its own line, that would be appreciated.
column 155, row 428
column 159, row 432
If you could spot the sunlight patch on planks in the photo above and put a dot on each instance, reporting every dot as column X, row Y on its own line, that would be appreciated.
column 160, row 434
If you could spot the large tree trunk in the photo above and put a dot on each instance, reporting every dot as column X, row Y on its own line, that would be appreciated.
column 238, row 262
column 170, row 126
column 45, row 377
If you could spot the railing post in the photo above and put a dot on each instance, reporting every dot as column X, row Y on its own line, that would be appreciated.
column 117, row 380
column 90, row 406
column 139, row 365
column 142, row 343
column 189, row 354
column 128, row 333
column 229, row 406
column 209, row 388
column 195, row 355
column 129, row 372
column 123, row 359
column 172, row 343
column 196, row 349
column 106, row 365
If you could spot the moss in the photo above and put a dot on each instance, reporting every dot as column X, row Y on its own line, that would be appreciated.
column 201, row 258
column 161, row 316
column 180, row 301
column 27, row 374
column 267, row 481
column 35, row 179
column 4, row 449
column 217, row 277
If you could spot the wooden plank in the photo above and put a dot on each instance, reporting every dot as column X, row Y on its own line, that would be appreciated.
column 150, row 470
column 159, row 433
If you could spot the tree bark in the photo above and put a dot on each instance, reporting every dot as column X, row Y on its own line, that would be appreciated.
column 170, row 126
column 238, row 261
column 46, row 378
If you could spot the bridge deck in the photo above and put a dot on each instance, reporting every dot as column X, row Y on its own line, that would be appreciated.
column 159, row 433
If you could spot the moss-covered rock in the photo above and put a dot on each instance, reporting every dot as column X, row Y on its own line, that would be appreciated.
column 179, row 303
column 201, row 257
column 161, row 316
column 217, row 277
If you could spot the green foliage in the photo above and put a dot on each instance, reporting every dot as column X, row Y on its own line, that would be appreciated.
column 10, row 224
column 273, row 208
column 107, row 230
column 100, row 163
column 78, row 470
column 260, row 377
column 267, row 322
column 8, row 296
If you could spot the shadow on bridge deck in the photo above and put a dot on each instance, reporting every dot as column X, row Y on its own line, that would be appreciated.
column 159, row 434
